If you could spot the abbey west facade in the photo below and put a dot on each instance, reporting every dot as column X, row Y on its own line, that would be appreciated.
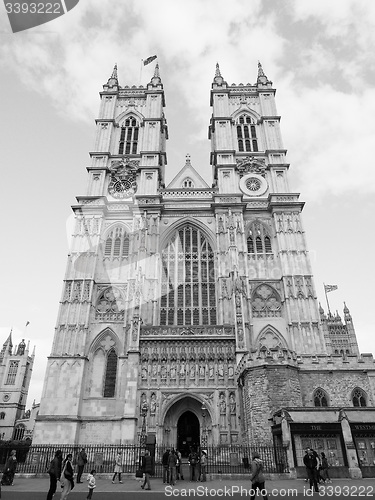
column 196, row 302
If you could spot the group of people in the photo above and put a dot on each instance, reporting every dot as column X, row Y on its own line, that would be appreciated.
column 171, row 461
column 62, row 471
column 316, row 468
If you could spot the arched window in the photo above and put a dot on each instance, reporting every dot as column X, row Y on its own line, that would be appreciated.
column 187, row 183
column 2, row 415
column 188, row 280
column 246, row 134
column 110, row 375
column 117, row 243
column 12, row 373
column 358, row 397
column 320, row 398
column 19, row 432
column 129, row 136
column 258, row 240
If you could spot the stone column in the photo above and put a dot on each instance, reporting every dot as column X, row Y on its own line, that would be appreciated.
column 354, row 470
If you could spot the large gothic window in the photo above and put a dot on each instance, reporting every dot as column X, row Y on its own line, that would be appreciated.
column 258, row 240
column 110, row 374
column 117, row 243
column 12, row 373
column 320, row 398
column 129, row 137
column 188, row 280
column 358, row 397
column 246, row 134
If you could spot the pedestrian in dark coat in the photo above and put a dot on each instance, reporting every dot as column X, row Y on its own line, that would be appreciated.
column 67, row 481
column 9, row 469
column 148, row 469
column 172, row 465
column 164, row 461
column 311, row 462
column 81, row 462
column 257, row 476
column 54, row 474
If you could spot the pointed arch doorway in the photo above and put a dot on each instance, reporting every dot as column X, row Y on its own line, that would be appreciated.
column 188, row 432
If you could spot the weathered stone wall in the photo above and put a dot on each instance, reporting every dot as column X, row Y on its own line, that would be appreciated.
column 266, row 389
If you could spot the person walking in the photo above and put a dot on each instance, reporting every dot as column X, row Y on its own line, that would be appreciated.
column 92, row 483
column 67, row 477
column 257, row 477
column 323, row 469
column 311, row 462
column 172, row 465
column 54, row 472
column 118, row 467
column 203, row 463
column 9, row 469
column 148, row 469
column 81, row 462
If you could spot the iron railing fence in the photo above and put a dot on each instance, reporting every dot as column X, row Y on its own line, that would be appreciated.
column 36, row 459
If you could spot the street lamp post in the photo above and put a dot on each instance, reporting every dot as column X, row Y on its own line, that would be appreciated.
column 204, row 428
column 144, row 411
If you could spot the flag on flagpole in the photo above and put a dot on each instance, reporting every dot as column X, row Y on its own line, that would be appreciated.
column 27, row 323
column 149, row 60
column 330, row 288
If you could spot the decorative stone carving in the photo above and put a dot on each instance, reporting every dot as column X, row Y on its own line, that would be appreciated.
column 251, row 164
column 265, row 302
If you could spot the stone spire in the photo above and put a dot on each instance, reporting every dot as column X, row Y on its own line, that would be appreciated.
column 218, row 78
column 156, row 80
column 113, row 80
column 8, row 344
column 262, row 79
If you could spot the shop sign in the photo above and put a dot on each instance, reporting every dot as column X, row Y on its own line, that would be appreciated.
column 364, row 427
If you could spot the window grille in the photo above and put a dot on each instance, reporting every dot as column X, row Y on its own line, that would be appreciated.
column 129, row 137
column 189, row 277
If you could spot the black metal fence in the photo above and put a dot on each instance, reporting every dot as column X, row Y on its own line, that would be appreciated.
column 36, row 459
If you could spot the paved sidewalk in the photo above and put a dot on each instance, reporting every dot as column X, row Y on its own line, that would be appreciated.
column 131, row 484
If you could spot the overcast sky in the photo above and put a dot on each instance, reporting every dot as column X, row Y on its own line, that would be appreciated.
column 320, row 57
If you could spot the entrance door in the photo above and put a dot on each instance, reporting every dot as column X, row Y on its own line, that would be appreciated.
column 187, row 433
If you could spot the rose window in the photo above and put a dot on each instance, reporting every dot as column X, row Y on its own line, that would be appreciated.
column 253, row 184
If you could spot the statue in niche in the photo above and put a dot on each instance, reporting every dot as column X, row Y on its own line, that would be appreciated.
column 202, row 371
column 144, row 372
column 192, row 370
column 154, row 370
column 232, row 403
column 173, row 370
column 153, row 404
column 182, row 370
column 163, row 371
column 222, row 404
column 220, row 369
column 220, row 225
column 230, row 371
column 211, row 370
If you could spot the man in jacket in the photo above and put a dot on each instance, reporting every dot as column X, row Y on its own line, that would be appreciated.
column 81, row 462
column 164, row 461
column 257, row 477
column 311, row 462
column 54, row 474
column 148, row 469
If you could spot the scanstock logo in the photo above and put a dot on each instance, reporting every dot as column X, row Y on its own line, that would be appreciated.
column 25, row 15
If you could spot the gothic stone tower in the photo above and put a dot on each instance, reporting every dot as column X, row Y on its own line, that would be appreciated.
column 171, row 293
column 16, row 367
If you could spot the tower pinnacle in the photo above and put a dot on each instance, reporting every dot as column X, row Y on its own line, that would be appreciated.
column 156, row 80
column 113, row 80
column 218, row 78
column 262, row 78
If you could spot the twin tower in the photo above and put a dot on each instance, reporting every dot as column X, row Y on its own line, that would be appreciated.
column 189, row 295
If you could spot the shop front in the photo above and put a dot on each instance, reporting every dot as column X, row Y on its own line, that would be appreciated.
column 364, row 440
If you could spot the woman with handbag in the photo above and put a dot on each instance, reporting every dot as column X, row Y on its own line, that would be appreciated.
column 66, row 479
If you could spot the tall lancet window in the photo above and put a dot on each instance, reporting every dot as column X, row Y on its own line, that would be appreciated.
column 188, row 280
column 246, row 134
column 110, row 374
column 129, row 137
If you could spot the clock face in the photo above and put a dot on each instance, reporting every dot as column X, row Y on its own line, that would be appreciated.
column 122, row 188
column 253, row 184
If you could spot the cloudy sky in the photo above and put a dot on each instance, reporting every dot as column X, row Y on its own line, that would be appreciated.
column 320, row 57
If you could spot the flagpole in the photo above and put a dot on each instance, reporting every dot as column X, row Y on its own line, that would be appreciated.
column 325, row 291
column 140, row 73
